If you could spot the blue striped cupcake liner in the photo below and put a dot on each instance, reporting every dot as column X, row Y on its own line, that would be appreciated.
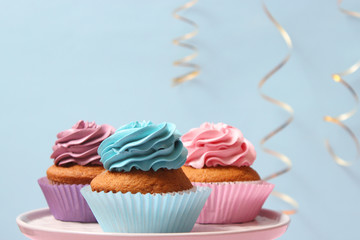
column 147, row 213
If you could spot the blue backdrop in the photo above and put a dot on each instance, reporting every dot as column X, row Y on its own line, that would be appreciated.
column 111, row 61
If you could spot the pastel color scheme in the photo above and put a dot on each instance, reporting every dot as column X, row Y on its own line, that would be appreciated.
column 147, row 213
column 234, row 202
column 143, row 145
column 218, row 144
column 65, row 60
column 80, row 143
column 66, row 202
column 77, row 145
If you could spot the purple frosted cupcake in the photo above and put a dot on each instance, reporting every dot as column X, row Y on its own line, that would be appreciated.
column 76, row 163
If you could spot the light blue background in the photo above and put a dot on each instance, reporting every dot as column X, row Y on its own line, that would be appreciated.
column 111, row 61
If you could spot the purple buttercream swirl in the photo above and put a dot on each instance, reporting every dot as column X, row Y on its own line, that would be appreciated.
column 80, row 143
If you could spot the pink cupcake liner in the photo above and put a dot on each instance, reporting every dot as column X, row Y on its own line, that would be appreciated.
column 234, row 202
column 66, row 202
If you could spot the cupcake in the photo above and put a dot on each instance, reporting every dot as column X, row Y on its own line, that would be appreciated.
column 221, row 158
column 144, row 189
column 76, row 163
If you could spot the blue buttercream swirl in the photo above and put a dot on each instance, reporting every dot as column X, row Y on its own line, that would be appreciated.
column 143, row 145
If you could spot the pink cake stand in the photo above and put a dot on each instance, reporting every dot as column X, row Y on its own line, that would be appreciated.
column 41, row 225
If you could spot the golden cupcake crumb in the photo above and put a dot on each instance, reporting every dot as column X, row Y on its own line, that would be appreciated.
column 74, row 174
column 221, row 174
column 160, row 181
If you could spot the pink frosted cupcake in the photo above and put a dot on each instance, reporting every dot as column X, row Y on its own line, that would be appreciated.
column 76, row 163
column 220, row 157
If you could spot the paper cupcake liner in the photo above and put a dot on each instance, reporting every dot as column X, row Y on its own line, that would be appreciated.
column 234, row 202
column 66, row 202
column 147, row 213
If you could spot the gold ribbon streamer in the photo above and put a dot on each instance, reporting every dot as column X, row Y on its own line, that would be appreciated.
column 338, row 120
column 185, row 61
column 286, row 107
column 347, row 12
column 289, row 200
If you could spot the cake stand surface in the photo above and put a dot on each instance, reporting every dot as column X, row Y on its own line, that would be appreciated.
column 41, row 225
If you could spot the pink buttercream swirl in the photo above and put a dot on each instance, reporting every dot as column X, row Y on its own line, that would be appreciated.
column 218, row 144
column 80, row 143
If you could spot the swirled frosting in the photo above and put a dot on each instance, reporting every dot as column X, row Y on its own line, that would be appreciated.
column 80, row 143
column 143, row 145
column 218, row 144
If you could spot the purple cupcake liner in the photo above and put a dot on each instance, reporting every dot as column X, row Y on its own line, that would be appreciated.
column 66, row 202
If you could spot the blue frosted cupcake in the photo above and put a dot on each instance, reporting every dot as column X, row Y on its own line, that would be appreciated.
column 144, row 189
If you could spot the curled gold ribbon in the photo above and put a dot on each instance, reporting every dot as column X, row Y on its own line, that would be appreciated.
column 347, row 12
column 289, row 200
column 338, row 120
column 185, row 61
column 286, row 107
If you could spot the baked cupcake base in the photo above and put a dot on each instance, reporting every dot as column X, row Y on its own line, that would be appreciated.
column 147, row 213
column 160, row 181
column 221, row 174
column 234, row 202
column 66, row 202
column 73, row 174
